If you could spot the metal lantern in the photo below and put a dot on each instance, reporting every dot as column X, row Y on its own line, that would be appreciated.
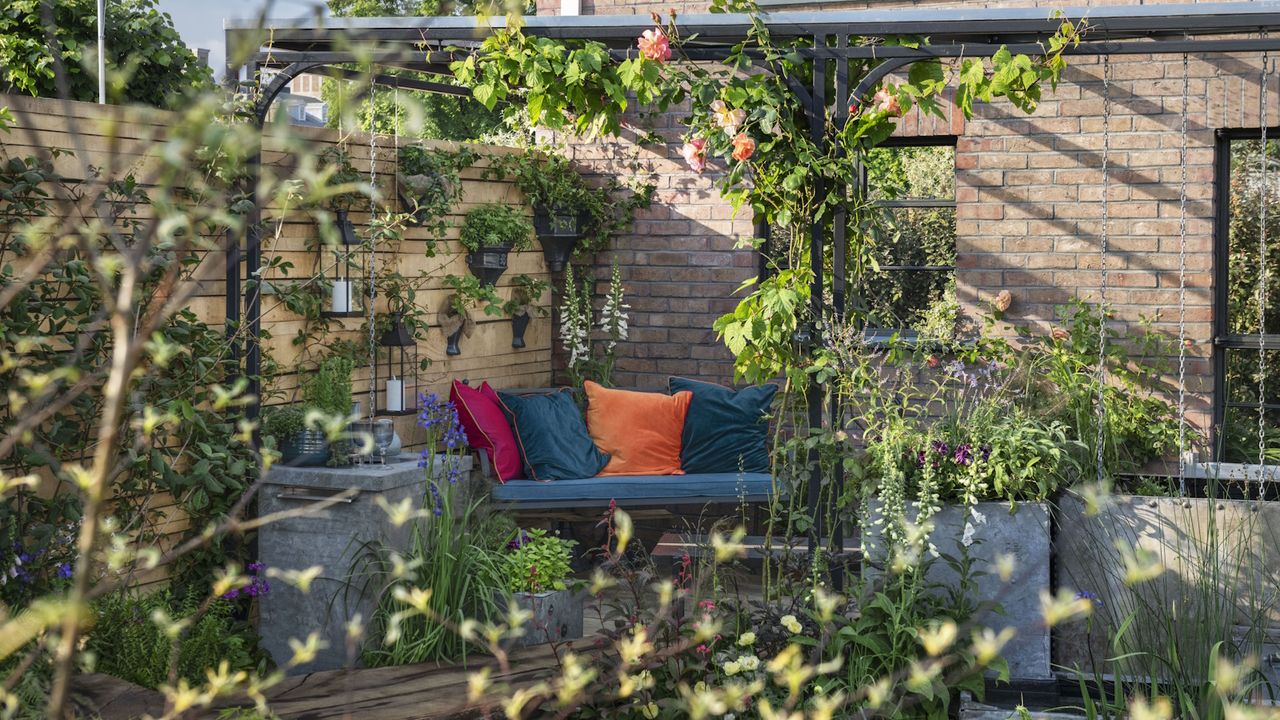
column 400, row 372
column 344, row 300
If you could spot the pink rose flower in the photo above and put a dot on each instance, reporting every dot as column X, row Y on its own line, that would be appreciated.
column 694, row 153
column 654, row 45
column 743, row 147
column 886, row 101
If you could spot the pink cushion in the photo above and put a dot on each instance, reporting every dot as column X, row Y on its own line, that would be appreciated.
column 487, row 428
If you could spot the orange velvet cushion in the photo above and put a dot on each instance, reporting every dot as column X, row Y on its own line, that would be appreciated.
column 640, row 431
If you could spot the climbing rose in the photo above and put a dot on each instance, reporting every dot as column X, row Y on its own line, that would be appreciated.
column 726, row 119
column 887, row 102
column 654, row 45
column 1003, row 300
column 743, row 146
column 694, row 153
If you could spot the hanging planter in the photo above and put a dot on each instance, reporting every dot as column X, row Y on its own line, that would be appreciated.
column 559, row 231
column 489, row 234
column 418, row 193
column 519, row 324
column 455, row 321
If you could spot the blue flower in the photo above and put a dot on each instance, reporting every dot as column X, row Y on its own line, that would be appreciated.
column 64, row 570
column 1091, row 597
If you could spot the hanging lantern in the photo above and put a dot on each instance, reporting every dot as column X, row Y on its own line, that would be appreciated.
column 400, row 371
column 344, row 301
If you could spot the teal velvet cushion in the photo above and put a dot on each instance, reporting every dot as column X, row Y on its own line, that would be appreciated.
column 552, row 436
column 726, row 430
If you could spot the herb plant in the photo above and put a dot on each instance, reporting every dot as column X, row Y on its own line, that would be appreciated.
column 537, row 562
column 496, row 225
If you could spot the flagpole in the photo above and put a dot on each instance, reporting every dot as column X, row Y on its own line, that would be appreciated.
column 102, row 52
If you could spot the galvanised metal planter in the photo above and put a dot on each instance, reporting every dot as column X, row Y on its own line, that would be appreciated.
column 557, row 615
column 305, row 448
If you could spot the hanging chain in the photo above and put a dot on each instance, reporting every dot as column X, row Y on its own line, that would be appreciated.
column 373, row 248
column 1102, row 281
column 1183, row 340
column 1262, row 276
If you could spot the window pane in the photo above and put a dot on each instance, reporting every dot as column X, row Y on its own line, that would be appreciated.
column 1246, row 198
column 1239, row 437
column 921, row 171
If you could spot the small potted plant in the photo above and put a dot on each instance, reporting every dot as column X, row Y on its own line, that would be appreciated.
column 428, row 183
column 298, row 446
column 489, row 233
column 523, row 303
column 455, row 317
column 328, row 391
column 536, row 568
column 344, row 175
column 562, row 206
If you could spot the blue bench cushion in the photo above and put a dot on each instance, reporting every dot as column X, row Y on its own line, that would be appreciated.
column 637, row 490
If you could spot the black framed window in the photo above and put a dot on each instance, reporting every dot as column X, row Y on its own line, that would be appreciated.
column 912, row 183
column 1240, row 193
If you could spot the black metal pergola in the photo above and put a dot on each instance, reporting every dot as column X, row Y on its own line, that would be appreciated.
column 428, row 44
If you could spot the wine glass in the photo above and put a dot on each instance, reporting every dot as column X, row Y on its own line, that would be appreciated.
column 383, row 433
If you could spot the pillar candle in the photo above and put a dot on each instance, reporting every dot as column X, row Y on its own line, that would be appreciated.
column 395, row 395
column 341, row 298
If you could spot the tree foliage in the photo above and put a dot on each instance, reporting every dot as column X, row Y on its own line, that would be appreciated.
column 147, row 62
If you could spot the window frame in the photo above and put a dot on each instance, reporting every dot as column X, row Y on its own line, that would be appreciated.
column 884, row 334
column 1222, row 340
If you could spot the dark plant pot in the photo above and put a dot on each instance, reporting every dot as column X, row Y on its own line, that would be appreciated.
column 418, row 215
column 451, row 347
column 488, row 263
column 559, row 233
column 346, row 229
column 305, row 448
column 519, row 323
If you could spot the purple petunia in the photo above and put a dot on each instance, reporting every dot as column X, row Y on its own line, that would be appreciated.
column 963, row 454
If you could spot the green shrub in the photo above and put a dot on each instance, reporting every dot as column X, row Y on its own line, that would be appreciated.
column 329, row 388
column 128, row 643
column 496, row 225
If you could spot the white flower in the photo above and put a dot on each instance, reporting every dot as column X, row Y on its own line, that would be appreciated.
column 613, row 316
column 747, row 639
column 575, row 322
column 792, row 625
column 967, row 538
column 749, row 663
column 731, row 668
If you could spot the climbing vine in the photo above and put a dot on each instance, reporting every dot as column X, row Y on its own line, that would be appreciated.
column 744, row 118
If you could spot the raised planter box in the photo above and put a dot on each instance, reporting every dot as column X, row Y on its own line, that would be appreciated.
column 1233, row 545
column 331, row 538
column 557, row 616
column 1023, row 534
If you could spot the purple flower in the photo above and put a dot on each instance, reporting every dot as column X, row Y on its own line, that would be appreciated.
column 256, row 568
column 940, row 447
column 438, row 509
column 986, row 451
column 1092, row 598
column 64, row 570
column 963, row 454
column 519, row 540
column 920, row 458
column 231, row 594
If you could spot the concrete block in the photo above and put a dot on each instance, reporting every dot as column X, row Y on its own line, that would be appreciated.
column 1022, row 534
column 332, row 538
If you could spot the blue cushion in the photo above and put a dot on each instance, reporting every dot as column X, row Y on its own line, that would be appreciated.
column 552, row 436
column 637, row 490
column 726, row 430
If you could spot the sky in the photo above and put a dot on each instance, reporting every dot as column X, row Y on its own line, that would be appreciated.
column 200, row 21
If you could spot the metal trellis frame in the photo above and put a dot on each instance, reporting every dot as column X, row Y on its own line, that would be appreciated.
column 429, row 44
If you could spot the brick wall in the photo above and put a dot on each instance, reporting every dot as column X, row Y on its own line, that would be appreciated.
column 1029, row 208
